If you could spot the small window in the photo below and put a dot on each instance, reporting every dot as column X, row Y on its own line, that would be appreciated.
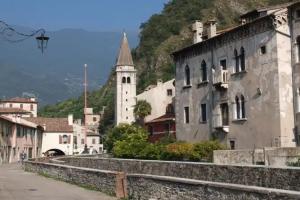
column 123, row 79
column 204, row 71
column 169, row 92
column 31, row 107
column 187, row 75
column 126, row 117
column 94, row 119
column 297, row 13
column 21, row 106
column 223, row 64
column 232, row 144
column 186, row 115
column 263, row 50
column 82, row 141
column 10, row 105
column 65, row 139
column 203, row 113
column 128, row 80
column 150, row 130
column 167, row 127
column 126, row 99
column 126, row 109
column 94, row 141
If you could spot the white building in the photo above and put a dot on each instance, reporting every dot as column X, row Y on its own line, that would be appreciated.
column 159, row 97
column 57, row 135
column 23, row 104
column 125, row 85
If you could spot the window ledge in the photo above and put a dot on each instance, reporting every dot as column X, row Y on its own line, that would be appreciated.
column 186, row 86
column 203, row 122
column 240, row 120
column 202, row 83
column 238, row 73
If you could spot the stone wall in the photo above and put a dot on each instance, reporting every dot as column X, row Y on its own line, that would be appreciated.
column 145, row 187
column 101, row 180
column 271, row 177
column 267, row 156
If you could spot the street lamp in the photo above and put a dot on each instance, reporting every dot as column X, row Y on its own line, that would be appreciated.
column 42, row 41
column 8, row 33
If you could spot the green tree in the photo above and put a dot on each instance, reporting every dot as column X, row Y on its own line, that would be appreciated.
column 119, row 133
column 141, row 110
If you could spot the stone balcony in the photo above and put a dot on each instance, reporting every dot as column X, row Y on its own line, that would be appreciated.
column 220, row 79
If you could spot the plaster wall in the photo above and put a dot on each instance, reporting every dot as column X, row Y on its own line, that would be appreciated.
column 125, row 95
column 51, row 141
column 158, row 98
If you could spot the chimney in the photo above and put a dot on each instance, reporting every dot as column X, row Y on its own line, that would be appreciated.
column 70, row 119
column 198, row 31
column 44, row 127
column 211, row 28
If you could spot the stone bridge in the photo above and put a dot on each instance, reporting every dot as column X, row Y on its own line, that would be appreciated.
column 145, row 179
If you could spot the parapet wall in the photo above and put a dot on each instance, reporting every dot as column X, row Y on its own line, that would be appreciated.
column 267, row 156
column 101, row 180
column 145, row 187
column 286, row 178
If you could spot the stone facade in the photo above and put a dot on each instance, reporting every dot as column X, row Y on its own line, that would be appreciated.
column 242, row 81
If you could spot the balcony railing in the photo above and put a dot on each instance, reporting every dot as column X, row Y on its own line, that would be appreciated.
column 220, row 77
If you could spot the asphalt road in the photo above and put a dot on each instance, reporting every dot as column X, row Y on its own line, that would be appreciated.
column 15, row 184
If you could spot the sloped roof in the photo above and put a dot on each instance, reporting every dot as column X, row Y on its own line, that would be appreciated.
column 124, row 57
column 20, row 100
column 13, row 111
column 56, row 125
column 166, row 117
column 20, row 121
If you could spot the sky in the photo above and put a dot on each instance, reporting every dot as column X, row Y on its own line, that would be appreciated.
column 92, row 15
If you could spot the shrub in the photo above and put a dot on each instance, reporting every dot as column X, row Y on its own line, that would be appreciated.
column 177, row 151
column 203, row 151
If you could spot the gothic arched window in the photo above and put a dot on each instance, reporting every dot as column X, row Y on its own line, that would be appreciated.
column 187, row 75
column 298, row 49
column 204, row 71
column 128, row 79
column 243, row 109
column 236, row 61
column 123, row 79
column 238, row 107
column 242, row 58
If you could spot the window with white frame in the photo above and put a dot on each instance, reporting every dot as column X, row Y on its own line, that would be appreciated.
column 239, row 107
column 239, row 60
column 298, row 99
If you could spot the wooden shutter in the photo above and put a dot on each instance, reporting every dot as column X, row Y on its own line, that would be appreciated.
column 69, row 139
column 60, row 139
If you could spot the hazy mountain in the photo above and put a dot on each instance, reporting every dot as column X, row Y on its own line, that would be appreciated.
column 58, row 73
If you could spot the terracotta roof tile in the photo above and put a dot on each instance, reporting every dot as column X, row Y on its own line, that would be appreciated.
column 13, row 111
column 20, row 100
column 52, row 124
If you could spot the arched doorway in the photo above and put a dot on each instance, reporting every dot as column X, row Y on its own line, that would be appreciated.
column 55, row 152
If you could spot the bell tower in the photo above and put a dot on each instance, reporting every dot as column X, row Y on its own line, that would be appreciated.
column 125, row 85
